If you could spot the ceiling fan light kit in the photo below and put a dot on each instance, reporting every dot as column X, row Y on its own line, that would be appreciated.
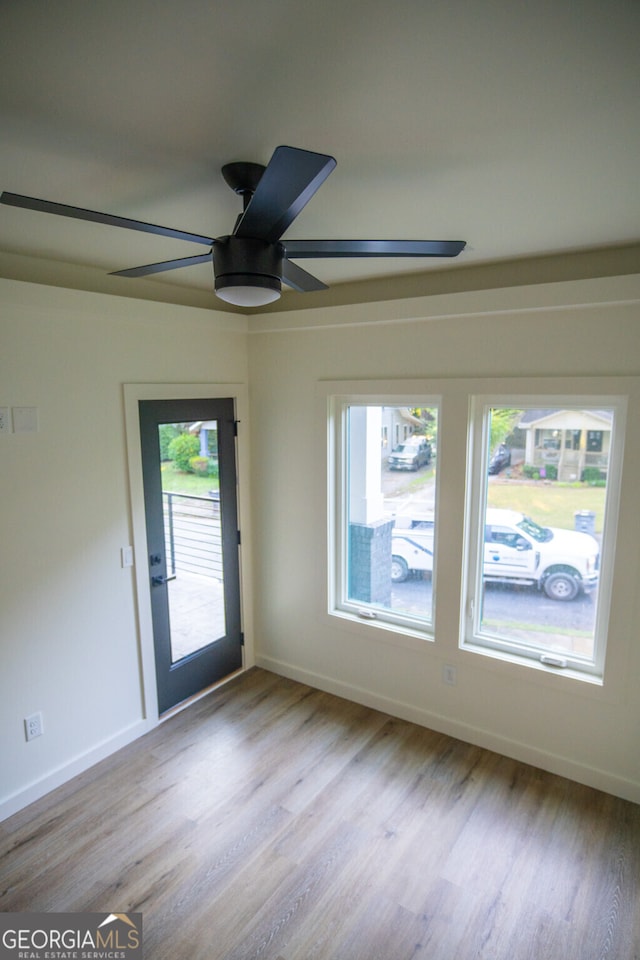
column 247, row 271
column 248, row 289
column 251, row 264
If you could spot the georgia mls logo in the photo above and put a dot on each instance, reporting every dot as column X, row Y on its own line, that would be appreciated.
column 71, row 936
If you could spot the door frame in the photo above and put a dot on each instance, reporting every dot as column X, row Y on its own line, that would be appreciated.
column 132, row 393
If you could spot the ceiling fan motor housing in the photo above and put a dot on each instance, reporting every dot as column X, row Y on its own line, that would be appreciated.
column 245, row 261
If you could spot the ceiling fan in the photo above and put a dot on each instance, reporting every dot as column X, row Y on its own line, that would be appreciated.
column 252, row 262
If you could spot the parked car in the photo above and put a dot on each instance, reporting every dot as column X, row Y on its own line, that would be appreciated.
column 562, row 563
column 501, row 458
column 410, row 455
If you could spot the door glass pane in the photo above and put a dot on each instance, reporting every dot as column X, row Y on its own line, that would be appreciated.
column 193, row 535
column 390, row 509
column 547, row 471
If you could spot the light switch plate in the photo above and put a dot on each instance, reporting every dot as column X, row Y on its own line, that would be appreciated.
column 25, row 419
column 5, row 420
column 126, row 556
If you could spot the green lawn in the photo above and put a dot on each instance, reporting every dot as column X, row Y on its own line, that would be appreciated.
column 550, row 504
column 175, row 481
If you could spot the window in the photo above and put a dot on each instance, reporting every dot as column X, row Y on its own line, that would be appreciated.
column 486, row 523
column 385, row 512
column 594, row 441
column 543, row 480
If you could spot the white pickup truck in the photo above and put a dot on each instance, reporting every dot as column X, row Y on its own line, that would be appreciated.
column 563, row 563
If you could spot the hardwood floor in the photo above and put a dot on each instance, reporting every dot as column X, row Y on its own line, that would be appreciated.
column 273, row 821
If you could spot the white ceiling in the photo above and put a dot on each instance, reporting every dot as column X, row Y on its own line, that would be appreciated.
column 512, row 125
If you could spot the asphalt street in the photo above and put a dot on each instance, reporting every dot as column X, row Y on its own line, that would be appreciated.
column 508, row 604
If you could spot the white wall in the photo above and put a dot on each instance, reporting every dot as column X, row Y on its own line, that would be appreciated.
column 580, row 328
column 69, row 644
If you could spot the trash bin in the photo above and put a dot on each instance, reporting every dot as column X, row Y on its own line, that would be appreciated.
column 585, row 521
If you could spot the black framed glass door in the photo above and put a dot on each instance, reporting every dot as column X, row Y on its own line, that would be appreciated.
column 190, row 491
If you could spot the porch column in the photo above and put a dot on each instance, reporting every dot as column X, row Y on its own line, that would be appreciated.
column 561, row 455
column 369, row 531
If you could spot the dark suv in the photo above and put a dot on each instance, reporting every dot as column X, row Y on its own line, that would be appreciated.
column 500, row 459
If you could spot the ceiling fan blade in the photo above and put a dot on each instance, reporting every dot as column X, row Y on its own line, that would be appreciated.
column 78, row 213
column 290, row 180
column 297, row 278
column 372, row 248
column 162, row 267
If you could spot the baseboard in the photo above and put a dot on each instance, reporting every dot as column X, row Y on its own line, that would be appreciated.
column 515, row 750
column 39, row 788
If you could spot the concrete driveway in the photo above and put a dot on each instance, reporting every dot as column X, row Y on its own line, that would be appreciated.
column 406, row 491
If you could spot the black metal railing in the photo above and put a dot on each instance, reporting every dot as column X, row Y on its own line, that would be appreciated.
column 193, row 534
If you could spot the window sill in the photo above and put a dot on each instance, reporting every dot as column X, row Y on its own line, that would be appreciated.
column 399, row 635
column 530, row 663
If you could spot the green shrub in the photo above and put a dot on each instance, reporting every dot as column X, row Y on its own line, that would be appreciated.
column 182, row 449
column 167, row 432
column 548, row 472
column 594, row 477
column 199, row 466
column 203, row 466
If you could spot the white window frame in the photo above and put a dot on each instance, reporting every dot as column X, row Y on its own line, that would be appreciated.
column 339, row 603
column 472, row 636
column 451, row 638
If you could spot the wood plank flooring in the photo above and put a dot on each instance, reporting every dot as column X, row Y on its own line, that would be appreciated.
column 270, row 820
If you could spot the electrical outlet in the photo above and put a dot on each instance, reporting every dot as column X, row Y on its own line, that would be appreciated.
column 33, row 726
column 449, row 675
column 5, row 420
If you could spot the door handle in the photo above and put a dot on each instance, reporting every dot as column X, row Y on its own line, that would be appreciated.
column 158, row 581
